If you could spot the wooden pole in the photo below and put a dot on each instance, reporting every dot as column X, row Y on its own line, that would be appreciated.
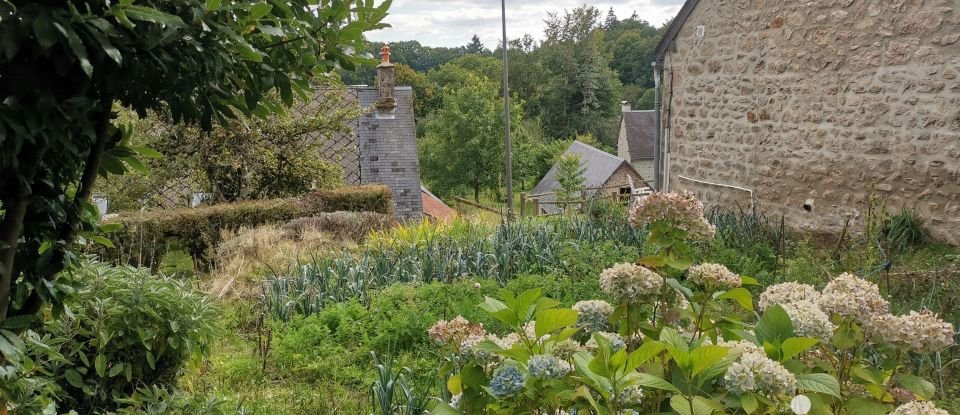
column 523, row 204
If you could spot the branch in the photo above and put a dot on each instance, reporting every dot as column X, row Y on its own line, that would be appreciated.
column 71, row 227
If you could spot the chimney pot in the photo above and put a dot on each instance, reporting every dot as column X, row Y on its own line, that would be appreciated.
column 625, row 106
column 386, row 80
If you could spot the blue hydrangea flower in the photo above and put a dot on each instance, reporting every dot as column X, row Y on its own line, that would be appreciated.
column 506, row 381
column 546, row 366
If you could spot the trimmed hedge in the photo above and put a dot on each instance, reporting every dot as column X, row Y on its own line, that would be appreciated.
column 367, row 198
column 342, row 225
column 143, row 238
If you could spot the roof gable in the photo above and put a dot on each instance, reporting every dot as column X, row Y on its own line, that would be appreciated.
column 674, row 28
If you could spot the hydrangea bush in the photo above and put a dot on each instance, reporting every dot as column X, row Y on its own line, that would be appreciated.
column 693, row 345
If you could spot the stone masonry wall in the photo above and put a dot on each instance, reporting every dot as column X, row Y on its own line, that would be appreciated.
column 621, row 178
column 822, row 101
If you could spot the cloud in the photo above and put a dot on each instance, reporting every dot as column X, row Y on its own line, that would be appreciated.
column 453, row 22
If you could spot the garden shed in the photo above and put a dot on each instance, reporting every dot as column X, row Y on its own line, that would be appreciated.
column 604, row 175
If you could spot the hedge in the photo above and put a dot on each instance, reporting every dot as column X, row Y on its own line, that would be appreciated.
column 142, row 239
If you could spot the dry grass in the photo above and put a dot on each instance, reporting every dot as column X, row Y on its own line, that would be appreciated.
column 248, row 254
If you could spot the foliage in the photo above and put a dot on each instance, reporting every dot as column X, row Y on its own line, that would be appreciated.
column 696, row 349
column 126, row 331
column 354, row 226
column 519, row 248
column 143, row 238
column 569, row 177
column 244, row 158
column 364, row 198
column 580, row 92
column 66, row 64
column 463, row 148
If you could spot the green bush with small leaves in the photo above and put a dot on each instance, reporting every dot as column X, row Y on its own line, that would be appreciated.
column 127, row 334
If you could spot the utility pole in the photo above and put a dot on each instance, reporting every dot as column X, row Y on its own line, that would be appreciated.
column 507, row 150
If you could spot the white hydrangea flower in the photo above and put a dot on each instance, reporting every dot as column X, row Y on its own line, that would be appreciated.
column 755, row 372
column 851, row 296
column 715, row 276
column 786, row 293
column 681, row 210
column 738, row 347
column 919, row 408
column 809, row 320
column 922, row 332
column 594, row 315
column 630, row 283
column 631, row 396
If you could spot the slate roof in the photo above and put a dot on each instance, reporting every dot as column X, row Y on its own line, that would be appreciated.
column 640, row 134
column 598, row 167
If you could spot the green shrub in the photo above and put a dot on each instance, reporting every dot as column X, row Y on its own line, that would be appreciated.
column 342, row 225
column 365, row 198
column 143, row 238
column 126, row 330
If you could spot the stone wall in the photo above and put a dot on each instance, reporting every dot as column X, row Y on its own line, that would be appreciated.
column 823, row 102
column 645, row 168
column 621, row 178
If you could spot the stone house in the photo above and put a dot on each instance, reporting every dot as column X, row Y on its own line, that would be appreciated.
column 604, row 175
column 636, row 140
column 380, row 145
column 811, row 108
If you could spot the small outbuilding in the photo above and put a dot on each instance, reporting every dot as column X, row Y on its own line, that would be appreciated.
column 604, row 174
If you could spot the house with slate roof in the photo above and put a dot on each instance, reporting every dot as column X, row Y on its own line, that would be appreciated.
column 604, row 175
column 637, row 138
column 380, row 145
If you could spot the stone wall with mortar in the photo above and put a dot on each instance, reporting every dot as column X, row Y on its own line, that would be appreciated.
column 819, row 102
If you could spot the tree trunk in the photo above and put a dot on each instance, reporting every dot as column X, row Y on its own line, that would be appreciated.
column 10, row 229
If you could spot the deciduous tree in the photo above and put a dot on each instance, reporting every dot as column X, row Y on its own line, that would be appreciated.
column 65, row 66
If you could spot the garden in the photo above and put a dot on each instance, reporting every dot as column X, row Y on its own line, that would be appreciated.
column 293, row 294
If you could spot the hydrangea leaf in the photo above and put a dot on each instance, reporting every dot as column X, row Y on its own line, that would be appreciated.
column 795, row 345
column 774, row 326
column 823, row 383
column 741, row 295
column 917, row 385
column 552, row 320
column 866, row 406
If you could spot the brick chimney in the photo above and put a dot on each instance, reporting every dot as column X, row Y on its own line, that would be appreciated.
column 386, row 80
column 625, row 106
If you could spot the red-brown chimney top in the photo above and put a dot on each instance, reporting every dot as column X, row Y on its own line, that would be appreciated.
column 385, row 53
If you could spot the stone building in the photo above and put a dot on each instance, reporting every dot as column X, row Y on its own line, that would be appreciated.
column 380, row 145
column 635, row 142
column 604, row 175
column 812, row 107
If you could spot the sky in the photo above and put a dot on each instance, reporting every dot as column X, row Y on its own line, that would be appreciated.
column 454, row 22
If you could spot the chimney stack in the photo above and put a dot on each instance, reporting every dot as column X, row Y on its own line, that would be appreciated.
column 386, row 79
column 625, row 106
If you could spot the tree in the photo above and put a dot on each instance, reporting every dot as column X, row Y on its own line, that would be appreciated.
column 426, row 93
column 474, row 47
column 66, row 65
column 463, row 147
column 570, row 178
column 579, row 92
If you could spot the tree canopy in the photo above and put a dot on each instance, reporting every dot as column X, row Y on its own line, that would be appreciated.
column 66, row 65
